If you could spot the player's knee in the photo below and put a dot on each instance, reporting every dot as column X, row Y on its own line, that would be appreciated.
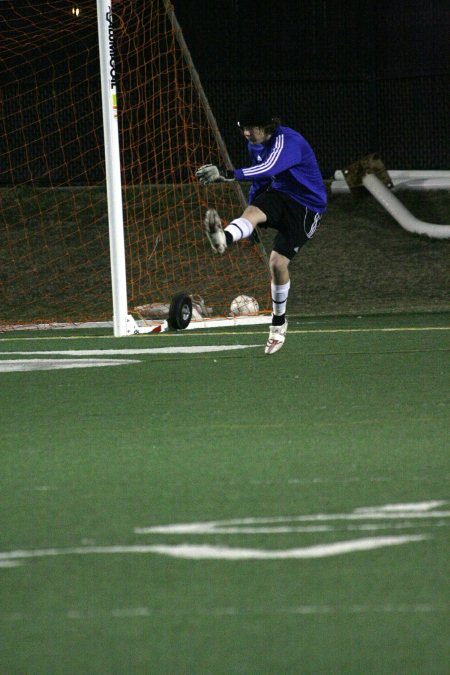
column 278, row 265
column 254, row 215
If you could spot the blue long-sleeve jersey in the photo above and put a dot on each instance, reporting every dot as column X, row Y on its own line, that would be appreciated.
column 286, row 163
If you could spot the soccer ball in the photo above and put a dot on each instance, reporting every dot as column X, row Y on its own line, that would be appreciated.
column 244, row 304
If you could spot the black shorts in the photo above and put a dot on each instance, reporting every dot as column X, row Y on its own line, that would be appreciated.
column 295, row 223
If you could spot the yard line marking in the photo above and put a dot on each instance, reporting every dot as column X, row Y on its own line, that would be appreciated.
column 139, row 612
column 8, row 558
column 26, row 365
column 284, row 529
column 205, row 333
column 398, row 329
column 370, row 330
column 364, row 609
column 393, row 508
column 388, row 512
column 144, row 612
column 207, row 552
column 277, row 525
column 131, row 612
column 131, row 352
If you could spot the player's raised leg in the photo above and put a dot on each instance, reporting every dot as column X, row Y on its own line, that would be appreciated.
column 214, row 231
column 237, row 229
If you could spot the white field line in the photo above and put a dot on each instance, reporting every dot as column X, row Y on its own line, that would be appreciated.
column 363, row 330
column 208, row 552
column 410, row 507
column 347, row 480
column 216, row 332
column 26, row 365
column 131, row 352
column 404, row 512
column 291, row 330
column 311, row 529
column 365, row 609
column 217, row 612
column 411, row 511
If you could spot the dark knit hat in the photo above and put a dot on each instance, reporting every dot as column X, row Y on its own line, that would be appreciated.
column 254, row 114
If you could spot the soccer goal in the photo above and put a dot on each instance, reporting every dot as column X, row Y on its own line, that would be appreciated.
column 105, row 122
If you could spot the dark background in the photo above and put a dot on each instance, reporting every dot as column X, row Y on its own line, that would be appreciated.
column 354, row 77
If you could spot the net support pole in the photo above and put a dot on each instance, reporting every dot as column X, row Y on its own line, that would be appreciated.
column 206, row 107
column 107, row 52
column 401, row 214
column 201, row 92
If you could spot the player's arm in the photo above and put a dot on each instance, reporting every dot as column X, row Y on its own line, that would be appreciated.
column 285, row 154
column 209, row 173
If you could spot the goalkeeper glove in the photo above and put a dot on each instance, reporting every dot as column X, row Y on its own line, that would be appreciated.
column 209, row 173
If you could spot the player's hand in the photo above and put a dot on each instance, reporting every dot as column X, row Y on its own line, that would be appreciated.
column 209, row 173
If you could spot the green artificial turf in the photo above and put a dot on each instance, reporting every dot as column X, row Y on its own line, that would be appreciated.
column 351, row 414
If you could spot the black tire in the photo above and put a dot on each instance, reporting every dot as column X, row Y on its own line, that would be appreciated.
column 180, row 311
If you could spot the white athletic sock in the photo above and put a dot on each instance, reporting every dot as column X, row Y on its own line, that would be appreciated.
column 239, row 228
column 280, row 294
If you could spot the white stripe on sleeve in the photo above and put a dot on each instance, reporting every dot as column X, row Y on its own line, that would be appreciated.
column 254, row 171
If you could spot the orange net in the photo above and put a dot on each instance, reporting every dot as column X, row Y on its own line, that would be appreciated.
column 54, row 247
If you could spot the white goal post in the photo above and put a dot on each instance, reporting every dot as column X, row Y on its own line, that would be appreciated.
column 107, row 54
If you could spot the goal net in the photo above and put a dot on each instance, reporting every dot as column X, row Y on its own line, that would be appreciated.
column 54, row 239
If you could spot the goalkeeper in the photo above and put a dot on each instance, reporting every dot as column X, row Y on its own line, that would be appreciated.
column 287, row 194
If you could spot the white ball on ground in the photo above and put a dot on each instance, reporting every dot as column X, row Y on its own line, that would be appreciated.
column 244, row 305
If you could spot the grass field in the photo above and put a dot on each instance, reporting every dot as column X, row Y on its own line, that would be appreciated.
column 186, row 505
